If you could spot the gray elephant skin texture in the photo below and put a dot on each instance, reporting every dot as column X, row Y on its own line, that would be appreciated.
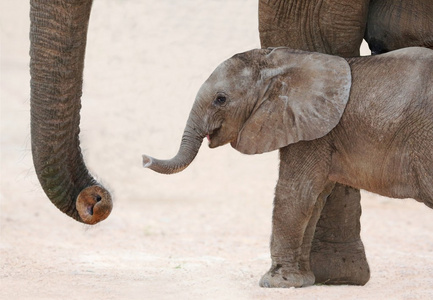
column 58, row 34
column 365, row 122
column 338, row 27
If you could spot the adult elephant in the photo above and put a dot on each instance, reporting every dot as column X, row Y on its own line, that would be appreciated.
column 338, row 27
column 58, row 41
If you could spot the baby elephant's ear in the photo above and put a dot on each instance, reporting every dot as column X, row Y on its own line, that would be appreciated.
column 302, row 97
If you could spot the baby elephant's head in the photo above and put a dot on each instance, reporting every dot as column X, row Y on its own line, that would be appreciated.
column 262, row 100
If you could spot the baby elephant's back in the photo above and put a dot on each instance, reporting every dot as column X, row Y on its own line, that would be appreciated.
column 391, row 89
column 387, row 127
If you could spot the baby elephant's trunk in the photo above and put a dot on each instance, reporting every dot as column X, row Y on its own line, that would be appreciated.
column 191, row 142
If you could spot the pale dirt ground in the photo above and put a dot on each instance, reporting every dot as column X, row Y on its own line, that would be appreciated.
column 201, row 234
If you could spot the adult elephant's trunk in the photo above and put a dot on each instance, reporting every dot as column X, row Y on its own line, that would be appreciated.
column 58, row 40
column 191, row 141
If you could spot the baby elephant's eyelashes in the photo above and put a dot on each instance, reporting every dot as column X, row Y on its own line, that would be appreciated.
column 220, row 100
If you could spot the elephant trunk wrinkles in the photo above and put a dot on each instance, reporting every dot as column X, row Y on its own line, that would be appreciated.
column 191, row 142
column 58, row 40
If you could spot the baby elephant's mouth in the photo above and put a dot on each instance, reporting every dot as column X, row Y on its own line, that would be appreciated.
column 212, row 136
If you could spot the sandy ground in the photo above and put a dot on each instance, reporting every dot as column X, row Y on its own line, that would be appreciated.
column 201, row 234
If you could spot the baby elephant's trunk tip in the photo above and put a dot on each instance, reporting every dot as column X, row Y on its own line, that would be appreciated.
column 170, row 166
column 147, row 161
column 185, row 155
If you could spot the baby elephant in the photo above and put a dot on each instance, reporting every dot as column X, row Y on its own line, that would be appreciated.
column 365, row 122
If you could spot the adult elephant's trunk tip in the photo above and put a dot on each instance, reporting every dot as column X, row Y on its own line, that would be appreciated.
column 94, row 204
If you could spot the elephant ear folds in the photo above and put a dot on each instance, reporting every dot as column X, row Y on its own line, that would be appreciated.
column 303, row 98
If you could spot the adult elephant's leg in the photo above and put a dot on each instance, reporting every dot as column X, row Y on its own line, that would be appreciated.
column 58, row 41
column 337, row 252
column 334, row 28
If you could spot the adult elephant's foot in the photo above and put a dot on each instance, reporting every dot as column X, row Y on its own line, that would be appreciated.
column 340, row 263
column 280, row 277
column 337, row 253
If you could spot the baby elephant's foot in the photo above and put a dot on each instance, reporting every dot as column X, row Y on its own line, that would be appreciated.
column 279, row 277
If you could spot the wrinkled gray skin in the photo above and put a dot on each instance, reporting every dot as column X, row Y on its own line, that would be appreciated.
column 338, row 27
column 394, row 24
column 58, row 40
column 57, row 45
column 362, row 122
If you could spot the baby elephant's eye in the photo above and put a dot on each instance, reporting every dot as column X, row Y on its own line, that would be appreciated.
column 220, row 100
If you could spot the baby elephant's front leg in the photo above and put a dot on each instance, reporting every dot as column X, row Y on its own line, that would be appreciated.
column 297, row 205
column 289, row 223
